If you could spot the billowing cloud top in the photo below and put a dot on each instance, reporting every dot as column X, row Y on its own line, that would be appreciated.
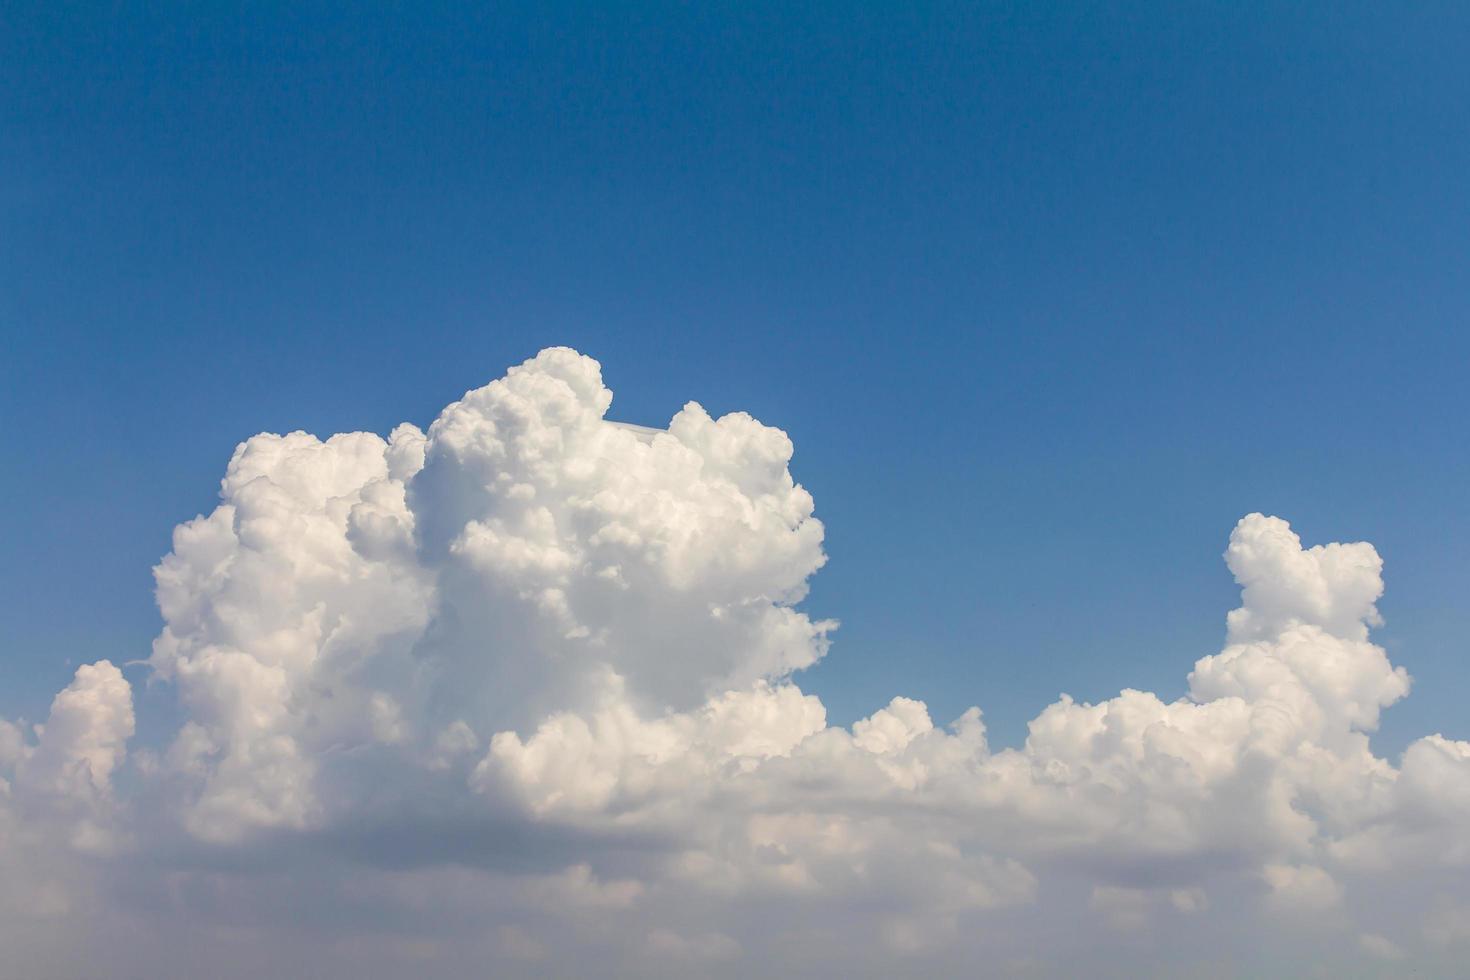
column 515, row 695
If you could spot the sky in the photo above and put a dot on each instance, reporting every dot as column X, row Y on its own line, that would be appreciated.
column 1047, row 298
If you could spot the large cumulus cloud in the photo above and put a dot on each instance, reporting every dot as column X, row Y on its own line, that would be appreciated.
column 517, row 694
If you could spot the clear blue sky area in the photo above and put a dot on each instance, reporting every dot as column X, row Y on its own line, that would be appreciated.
column 1048, row 296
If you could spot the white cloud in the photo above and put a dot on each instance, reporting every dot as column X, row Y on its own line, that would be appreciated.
column 519, row 692
column 1300, row 889
column 1380, row 947
column 62, row 779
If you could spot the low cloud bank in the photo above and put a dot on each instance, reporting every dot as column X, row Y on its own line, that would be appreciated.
column 514, row 696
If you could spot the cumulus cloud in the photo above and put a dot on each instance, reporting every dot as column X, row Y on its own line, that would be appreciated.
column 519, row 692
column 61, row 776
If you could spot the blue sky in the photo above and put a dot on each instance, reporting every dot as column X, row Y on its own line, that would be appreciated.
column 1048, row 296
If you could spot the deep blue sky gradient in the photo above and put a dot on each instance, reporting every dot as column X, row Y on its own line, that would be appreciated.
column 1048, row 296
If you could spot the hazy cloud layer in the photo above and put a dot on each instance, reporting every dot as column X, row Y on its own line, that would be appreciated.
column 515, row 696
